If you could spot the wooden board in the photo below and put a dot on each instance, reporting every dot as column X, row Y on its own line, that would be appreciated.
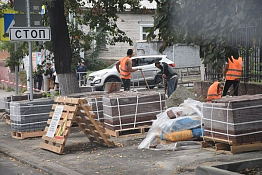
column 233, row 149
column 87, row 108
column 128, row 132
column 75, row 110
column 24, row 135
column 54, row 144
column 217, row 140
column 246, row 148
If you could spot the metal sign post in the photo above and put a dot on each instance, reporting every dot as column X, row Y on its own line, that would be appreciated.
column 16, row 73
column 30, row 52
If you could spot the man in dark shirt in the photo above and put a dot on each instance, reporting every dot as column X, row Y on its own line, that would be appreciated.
column 81, row 72
column 169, row 74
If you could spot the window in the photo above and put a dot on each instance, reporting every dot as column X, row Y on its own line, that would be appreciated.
column 143, row 29
column 101, row 38
column 146, row 61
column 145, row 33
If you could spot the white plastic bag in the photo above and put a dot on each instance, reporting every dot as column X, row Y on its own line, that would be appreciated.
column 191, row 109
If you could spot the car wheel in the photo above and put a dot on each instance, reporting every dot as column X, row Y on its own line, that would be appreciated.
column 159, row 81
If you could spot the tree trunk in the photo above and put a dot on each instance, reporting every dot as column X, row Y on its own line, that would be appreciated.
column 62, row 48
column 68, row 83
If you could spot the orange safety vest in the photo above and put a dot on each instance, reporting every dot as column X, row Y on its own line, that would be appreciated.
column 212, row 92
column 124, row 73
column 234, row 69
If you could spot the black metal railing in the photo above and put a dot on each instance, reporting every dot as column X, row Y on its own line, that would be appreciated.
column 250, row 49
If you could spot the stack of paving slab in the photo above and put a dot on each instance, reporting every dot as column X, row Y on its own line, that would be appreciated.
column 9, row 99
column 30, row 115
column 95, row 100
column 236, row 119
column 123, row 110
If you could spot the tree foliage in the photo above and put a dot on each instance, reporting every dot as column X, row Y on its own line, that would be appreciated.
column 91, row 14
column 99, row 17
column 207, row 23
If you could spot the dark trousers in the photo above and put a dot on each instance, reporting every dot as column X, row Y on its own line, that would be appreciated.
column 126, row 84
column 40, row 82
column 228, row 84
column 171, row 85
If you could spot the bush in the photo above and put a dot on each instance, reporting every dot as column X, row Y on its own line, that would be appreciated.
column 9, row 89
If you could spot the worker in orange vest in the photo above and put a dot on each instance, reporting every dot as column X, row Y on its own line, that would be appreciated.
column 214, row 91
column 233, row 72
column 124, row 67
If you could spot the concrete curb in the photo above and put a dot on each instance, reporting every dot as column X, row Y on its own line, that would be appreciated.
column 36, row 162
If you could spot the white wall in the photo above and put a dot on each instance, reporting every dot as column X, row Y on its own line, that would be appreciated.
column 183, row 55
column 129, row 23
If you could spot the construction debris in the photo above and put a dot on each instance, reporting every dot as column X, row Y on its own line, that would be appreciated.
column 166, row 132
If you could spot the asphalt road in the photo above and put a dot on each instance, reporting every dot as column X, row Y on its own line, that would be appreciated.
column 9, row 166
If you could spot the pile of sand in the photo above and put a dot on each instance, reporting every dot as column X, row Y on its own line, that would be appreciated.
column 178, row 97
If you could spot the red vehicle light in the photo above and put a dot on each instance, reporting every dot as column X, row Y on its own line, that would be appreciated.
column 172, row 65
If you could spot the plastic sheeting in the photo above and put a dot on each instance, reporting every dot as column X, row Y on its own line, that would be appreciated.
column 188, row 116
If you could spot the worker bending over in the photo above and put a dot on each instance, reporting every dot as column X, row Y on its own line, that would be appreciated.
column 169, row 74
column 214, row 91
column 124, row 67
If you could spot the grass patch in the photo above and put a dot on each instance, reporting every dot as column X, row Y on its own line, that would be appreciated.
column 9, row 89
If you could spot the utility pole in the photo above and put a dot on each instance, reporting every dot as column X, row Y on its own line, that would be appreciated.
column 30, row 52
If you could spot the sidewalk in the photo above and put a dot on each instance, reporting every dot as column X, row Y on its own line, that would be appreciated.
column 80, row 157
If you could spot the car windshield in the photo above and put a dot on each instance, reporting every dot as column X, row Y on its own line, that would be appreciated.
column 112, row 65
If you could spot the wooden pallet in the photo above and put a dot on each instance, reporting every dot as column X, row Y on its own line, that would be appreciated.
column 8, row 121
column 75, row 110
column 225, row 146
column 24, row 135
column 128, row 131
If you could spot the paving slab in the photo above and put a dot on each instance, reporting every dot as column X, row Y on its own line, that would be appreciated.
column 82, row 157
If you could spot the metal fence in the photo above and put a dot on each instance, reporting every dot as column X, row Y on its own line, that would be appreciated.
column 249, row 49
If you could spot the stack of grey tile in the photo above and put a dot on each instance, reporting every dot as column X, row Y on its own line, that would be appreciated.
column 28, row 116
column 11, row 98
column 7, row 101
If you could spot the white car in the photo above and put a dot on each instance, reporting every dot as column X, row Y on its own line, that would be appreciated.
column 146, row 63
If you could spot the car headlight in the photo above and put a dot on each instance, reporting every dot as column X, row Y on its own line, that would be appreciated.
column 97, row 81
